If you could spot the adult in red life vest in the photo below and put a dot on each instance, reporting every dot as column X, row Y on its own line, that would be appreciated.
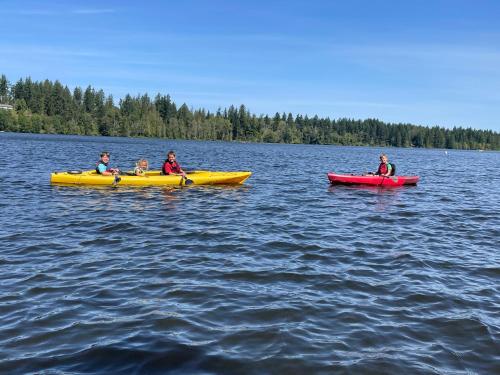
column 170, row 166
column 385, row 168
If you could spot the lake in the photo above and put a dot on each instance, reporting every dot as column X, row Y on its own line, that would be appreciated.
column 284, row 274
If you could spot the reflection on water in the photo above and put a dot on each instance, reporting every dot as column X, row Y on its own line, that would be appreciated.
column 170, row 196
column 383, row 197
column 386, row 199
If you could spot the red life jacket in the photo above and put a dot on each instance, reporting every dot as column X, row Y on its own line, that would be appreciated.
column 382, row 168
column 169, row 168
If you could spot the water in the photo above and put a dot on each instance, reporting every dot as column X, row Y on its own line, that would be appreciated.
column 283, row 274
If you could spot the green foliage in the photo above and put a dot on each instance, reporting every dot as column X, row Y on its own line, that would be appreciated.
column 47, row 107
column 4, row 90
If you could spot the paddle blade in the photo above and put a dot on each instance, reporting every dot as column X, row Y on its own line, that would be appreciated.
column 187, row 181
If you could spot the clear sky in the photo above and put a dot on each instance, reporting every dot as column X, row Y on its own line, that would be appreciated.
column 429, row 62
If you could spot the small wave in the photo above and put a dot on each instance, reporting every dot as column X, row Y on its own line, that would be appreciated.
column 164, row 358
column 119, row 227
column 102, row 242
column 493, row 272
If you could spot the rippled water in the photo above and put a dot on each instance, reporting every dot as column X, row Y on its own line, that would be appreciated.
column 283, row 274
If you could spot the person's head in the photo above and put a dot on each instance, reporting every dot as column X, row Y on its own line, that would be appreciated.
column 105, row 156
column 143, row 164
column 384, row 158
column 171, row 156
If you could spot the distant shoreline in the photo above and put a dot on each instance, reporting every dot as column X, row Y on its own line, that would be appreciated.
column 51, row 108
column 240, row 142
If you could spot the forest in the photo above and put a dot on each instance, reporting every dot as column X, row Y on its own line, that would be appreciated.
column 52, row 108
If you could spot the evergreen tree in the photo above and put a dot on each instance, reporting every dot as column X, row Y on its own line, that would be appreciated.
column 50, row 107
column 4, row 89
column 89, row 100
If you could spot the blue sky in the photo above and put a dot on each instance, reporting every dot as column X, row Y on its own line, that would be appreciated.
column 421, row 62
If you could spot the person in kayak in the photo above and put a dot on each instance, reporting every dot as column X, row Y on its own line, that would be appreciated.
column 385, row 168
column 141, row 167
column 170, row 166
column 103, row 168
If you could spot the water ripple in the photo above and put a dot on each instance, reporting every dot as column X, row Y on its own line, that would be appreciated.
column 283, row 274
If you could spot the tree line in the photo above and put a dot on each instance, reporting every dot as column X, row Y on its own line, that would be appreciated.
column 50, row 107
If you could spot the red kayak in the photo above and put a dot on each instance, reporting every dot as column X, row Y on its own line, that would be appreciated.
column 374, row 180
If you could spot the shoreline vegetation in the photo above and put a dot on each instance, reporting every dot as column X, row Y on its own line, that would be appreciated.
column 51, row 108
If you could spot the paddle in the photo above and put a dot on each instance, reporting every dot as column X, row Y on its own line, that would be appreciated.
column 187, row 181
column 393, row 178
column 116, row 180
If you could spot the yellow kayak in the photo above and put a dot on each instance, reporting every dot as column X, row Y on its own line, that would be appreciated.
column 151, row 178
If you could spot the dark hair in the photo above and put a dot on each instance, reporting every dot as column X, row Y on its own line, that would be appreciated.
column 171, row 152
column 104, row 153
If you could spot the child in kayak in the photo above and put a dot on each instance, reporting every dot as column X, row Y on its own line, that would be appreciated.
column 141, row 167
column 103, row 168
column 385, row 168
column 170, row 166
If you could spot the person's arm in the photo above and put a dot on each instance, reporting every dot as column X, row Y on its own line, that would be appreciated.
column 169, row 171
column 106, row 172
